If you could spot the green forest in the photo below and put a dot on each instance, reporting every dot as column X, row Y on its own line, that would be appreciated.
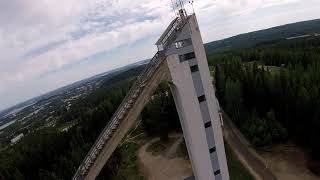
column 272, row 92
column 54, row 154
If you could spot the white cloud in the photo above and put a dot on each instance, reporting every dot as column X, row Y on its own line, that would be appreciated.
column 42, row 37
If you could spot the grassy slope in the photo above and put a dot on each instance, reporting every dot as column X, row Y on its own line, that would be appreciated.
column 129, row 168
column 129, row 147
column 236, row 170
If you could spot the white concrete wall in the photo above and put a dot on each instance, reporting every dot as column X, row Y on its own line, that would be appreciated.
column 187, row 86
column 210, row 95
column 190, row 117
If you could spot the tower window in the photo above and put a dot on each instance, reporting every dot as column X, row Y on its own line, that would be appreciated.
column 186, row 57
column 183, row 43
column 217, row 172
column 179, row 45
column 207, row 124
column 202, row 98
column 212, row 150
column 194, row 68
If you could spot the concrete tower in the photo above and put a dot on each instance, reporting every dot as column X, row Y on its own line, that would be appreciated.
column 195, row 100
column 181, row 60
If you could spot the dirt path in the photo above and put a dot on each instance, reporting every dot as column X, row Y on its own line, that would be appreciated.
column 245, row 154
column 288, row 161
column 283, row 162
column 164, row 167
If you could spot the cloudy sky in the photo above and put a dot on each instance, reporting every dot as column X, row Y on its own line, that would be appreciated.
column 46, row 44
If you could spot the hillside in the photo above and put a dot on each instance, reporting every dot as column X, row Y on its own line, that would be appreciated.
column 268, row 83
column 265, row 36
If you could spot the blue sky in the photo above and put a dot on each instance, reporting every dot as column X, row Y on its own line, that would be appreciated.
column 47, row 44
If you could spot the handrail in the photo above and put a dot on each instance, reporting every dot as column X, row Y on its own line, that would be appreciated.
column 167, row 30
column 175, row 25
column 106, row 131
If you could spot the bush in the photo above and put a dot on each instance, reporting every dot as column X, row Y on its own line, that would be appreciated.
column 263, row 131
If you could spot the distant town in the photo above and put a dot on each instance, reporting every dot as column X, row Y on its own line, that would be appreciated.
column 44, row 111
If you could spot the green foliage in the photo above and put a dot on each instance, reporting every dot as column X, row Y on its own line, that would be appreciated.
column 127, row 167
column 160, row 146
column 156, row 147
column 263, row 131
column 54, row 154
column 271, row 103
column 232, row 97
column 160, row 115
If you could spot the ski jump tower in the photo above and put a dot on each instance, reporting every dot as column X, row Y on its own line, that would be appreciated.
column 181, row 59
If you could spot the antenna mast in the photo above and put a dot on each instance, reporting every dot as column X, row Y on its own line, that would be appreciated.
column 173, row 7
column 181, row 4
column 191, row 2
column 180, row 8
